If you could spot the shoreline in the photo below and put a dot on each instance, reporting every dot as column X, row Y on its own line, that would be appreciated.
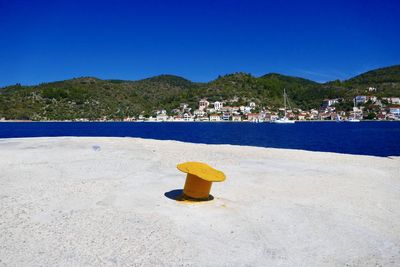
column 297, row 121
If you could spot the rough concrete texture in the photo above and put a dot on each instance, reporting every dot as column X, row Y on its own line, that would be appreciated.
column 101, row 202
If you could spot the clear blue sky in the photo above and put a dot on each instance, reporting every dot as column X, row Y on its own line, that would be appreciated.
column 44, row 41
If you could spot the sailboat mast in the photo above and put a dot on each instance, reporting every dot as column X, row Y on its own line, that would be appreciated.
column 284, row 99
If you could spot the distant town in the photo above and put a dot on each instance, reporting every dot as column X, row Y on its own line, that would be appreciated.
column 386, row 108
column 366, row 107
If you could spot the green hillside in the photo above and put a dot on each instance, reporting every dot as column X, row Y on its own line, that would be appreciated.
column 378, row 76
column 93, row 98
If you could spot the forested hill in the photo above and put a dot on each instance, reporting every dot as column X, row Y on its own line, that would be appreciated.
column 378, row 76
column 93, row 98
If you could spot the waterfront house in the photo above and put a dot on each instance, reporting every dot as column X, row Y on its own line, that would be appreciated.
column 290, row 114
column 226, row 116
column 253, row 117
column 162, row 117
column 302, row 116
column 151, row 119
column 313, row 114
column 334, row 116
column 267, row 116
column 325, row 116
column 215, row 117
column 188, row 117
column 274, row 116
column 202, row 118
column 395, row 111
column 236, row 118
column 381, row 116
column 178, row 118
column 127, row 119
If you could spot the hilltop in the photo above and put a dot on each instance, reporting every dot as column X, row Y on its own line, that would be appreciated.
column 378, row 76
column 93, row 98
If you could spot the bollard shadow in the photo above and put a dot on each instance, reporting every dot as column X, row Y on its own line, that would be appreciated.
column 178, row 195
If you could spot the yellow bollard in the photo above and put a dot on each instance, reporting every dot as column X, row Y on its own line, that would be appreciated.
column 199, row 180
column 196, row 187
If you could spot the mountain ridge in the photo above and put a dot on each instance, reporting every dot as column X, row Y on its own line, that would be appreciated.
column 393, row 69
column 92, row 98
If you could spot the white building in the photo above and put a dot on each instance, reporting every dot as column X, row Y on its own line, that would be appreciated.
column 245, row 109
column 314, row 114
column 203, row 104
column 330, row 102
column 203, row 118
column 162, row 117
column 226, row 117
column 236, row 118
column 215, row 117
column 218, row 105
column 199, row 113
column 210, row 110
column 229, row 109
column 187, row 117
column 395, row 111
column 126, row 119
column 392, row 100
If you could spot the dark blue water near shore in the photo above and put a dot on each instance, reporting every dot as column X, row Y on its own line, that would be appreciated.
column 365, row 138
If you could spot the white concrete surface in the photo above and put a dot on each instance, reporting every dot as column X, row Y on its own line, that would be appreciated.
column 101, row 202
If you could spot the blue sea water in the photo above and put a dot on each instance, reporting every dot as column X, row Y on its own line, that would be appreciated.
column 364, row 138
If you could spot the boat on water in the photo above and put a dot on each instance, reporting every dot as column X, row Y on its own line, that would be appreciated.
column 338, row 118
column 353, row 119
column 284, row 119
